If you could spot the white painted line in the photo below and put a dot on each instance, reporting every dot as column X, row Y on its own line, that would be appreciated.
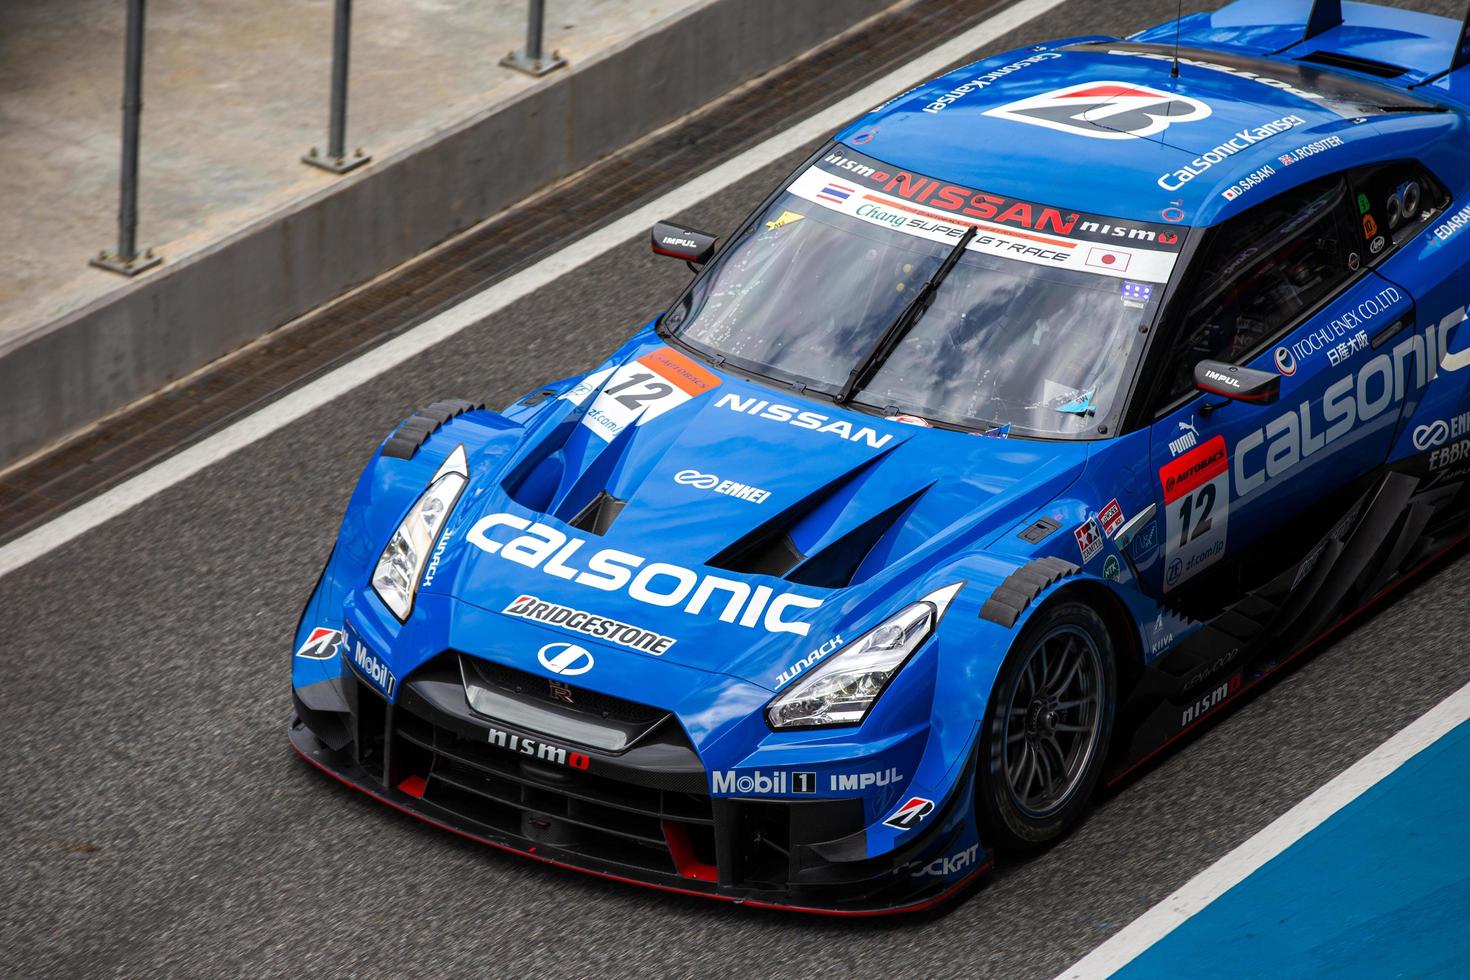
column 1287, row 829
column 102, row 508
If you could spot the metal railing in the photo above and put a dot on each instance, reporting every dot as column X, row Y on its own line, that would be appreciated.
column 126, row 260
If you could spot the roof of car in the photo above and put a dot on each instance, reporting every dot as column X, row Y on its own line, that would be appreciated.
column 1016, row 124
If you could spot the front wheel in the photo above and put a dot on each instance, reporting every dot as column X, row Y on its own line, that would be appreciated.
column 1047, row 728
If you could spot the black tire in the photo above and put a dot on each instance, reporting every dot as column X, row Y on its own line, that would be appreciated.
column 1018, row 809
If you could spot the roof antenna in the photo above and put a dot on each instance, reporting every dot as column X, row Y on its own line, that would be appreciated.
column 1178, row 17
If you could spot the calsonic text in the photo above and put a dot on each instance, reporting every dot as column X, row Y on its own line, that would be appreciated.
column 655, row 583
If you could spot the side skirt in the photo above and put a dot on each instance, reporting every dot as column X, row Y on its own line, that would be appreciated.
column 1385, row 535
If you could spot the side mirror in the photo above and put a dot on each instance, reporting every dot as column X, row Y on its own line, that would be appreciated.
column 678, row 242
column 1237, row 383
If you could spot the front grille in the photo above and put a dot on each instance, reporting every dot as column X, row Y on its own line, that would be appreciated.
column 552, row 804
column 636, row 819
column 551, row 707
column 533, row 687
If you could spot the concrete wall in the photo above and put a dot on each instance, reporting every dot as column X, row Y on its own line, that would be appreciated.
column 67, row 374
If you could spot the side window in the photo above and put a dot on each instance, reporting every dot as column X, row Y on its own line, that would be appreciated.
column 1261, row 271
column 1394, row 201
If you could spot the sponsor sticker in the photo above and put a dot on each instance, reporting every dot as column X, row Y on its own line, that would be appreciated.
column 639, row 391
column 787, row 218
column 910, row 814
column 712, row 483
column 944, row 867
column 758, row 783
column 1105, row 110
column 323, row 643
column 1196, row 510
column 534, row 748
column 1111, row 518
column 1089, row 540
column 659, row 584
column 566, row 659
column 372, row 667
column 589, row 624
column 940, row 211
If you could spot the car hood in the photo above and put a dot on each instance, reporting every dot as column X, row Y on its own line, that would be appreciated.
column 744, row 524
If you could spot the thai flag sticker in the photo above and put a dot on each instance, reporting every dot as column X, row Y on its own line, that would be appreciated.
column 1101, row 258
column 835, row 193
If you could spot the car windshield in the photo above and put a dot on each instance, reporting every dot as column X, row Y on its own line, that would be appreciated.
column 1034, row 329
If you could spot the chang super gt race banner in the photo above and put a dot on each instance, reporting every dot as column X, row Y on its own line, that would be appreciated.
column 864, row 188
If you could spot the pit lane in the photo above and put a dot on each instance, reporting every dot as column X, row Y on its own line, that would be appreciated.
column 156, row 822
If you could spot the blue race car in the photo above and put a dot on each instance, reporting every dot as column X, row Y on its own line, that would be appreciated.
column 1036, row 418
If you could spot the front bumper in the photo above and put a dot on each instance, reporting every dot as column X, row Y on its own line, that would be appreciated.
column 643, row 816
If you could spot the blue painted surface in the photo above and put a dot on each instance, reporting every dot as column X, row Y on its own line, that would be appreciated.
column 1381, row 889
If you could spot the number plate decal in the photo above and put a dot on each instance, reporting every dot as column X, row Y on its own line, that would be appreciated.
column 640, row 390
column 1196, row 510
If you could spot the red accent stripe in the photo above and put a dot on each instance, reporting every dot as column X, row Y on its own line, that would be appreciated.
column 942, row 897
column 685, row 859
column 1235, row 696
column 414, row 786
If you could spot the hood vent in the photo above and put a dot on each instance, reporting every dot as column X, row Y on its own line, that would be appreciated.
column 835, row 566
column 598, row 515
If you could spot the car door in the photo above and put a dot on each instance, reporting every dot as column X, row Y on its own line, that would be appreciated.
column 1283, row 287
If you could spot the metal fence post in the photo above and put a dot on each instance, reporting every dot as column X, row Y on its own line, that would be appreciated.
column 533, row 61
column 336, row 159
column 126, row 259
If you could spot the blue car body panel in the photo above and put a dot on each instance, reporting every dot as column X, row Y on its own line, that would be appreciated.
column 723, row 455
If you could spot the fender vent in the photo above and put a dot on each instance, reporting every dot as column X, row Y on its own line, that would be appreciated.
column 1021, row 588
column 416, row 429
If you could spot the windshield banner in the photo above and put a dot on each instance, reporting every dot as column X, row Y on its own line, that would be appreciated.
column 864, row 188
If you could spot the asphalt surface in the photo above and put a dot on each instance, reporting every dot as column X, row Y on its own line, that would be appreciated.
column 156, row 823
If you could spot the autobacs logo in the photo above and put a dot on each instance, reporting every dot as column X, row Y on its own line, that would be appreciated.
column 1105, row 110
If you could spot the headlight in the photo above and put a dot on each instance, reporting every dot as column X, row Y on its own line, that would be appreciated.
column 842, row 690
column 396, row 579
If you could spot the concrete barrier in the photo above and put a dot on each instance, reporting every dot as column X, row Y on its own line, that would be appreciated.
column 64, row 375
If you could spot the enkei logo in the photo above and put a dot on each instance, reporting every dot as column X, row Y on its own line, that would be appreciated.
column 708, row 481
column 1105, row 110
column 565, row 658
column 1436, row 433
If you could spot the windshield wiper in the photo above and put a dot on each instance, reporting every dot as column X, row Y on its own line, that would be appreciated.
column 900, row 327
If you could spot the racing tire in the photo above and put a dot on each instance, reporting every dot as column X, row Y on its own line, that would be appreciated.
column 1047, row 729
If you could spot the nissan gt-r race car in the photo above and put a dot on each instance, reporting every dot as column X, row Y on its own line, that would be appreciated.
column 1035, row 419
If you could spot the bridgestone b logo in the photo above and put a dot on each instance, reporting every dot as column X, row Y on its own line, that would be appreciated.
column 587, row 624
